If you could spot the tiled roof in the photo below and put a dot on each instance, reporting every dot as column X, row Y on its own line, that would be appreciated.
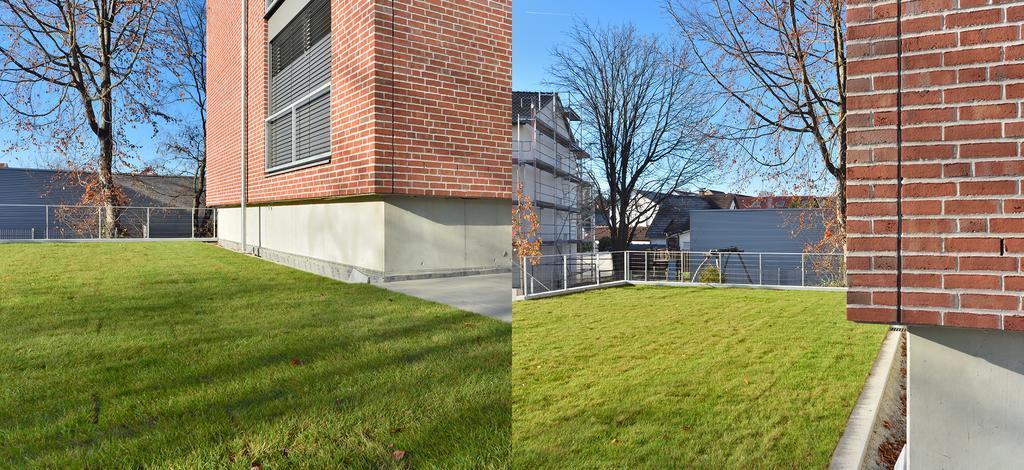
column 602, row 231
column 778, row 202
column 674, row 214
column 524, row 102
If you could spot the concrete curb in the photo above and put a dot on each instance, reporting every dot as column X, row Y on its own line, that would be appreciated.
column 573, row 290
column 853, row 445
column 603, row 285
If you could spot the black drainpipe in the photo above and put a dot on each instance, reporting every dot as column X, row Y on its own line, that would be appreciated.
column 899, row 161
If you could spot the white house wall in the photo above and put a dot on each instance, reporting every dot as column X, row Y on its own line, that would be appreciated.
column 559, row 228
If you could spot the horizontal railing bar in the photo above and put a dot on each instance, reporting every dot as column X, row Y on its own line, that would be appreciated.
column 115, row 207
column 701, row 253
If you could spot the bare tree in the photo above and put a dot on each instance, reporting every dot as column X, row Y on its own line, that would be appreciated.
column 781, row 67
column 74, row 67
column 644, row 117
column 183, row 44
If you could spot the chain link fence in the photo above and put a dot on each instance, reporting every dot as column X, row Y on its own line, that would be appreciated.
column 25, row 222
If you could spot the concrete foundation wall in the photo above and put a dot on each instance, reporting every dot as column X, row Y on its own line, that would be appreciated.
column 965, row 398
column 381, row 239
column 438, row 236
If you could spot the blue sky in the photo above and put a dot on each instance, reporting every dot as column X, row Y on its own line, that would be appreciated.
column 539, row 25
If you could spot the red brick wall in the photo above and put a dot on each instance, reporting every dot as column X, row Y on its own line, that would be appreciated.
column 439, row 70
column 962, row 234
column 452, row 97
column 223, row 104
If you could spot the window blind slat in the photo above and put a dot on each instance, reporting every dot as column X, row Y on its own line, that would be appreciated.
column 300, row 63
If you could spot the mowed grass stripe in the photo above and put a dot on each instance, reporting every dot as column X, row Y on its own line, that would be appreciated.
column 661, row 377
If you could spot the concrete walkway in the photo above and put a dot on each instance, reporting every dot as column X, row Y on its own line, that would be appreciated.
column 486, row 294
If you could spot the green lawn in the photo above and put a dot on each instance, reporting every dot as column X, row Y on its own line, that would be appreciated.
column 183, row 355
column 662, row 377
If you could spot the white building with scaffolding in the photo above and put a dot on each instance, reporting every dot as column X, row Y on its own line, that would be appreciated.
column 547, row 163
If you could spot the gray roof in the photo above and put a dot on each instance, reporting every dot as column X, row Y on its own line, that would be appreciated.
column 53, row 187
column 673, row 214
column 523, row 103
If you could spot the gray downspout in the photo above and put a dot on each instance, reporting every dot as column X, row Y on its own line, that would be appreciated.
column 245, row 116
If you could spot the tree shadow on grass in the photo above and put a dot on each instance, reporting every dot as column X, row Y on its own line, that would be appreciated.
column 169, row 378
column 258, row 405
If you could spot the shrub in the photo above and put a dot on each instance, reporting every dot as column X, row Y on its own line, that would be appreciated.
column 710, row 275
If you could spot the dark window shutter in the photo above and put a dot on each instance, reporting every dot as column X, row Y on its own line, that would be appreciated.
column 300, row 64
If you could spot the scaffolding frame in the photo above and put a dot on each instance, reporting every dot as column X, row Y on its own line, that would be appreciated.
column 572, row 193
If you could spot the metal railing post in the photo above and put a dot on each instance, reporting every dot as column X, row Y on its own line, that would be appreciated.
column 565, row 271
column 803, row 270
column 720, row 268
column 192, row 222
column 147, row 223
column 625, row 272
column 646, row 263
column 33, row 233
column 46, row 210
column 524, row 275
column 597, row 267
column 99, row 222
column 760, row 269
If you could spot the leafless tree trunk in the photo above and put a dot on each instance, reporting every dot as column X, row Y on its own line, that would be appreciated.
column 74, row 63
column 183, row 38
column 782, row 65
column 644, row 120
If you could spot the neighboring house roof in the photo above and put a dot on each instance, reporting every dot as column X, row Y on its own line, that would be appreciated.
column 54, row 187
column 722, row 201
column 602, row 231
column 778, row 202
column 524, row 102
column 673, row 214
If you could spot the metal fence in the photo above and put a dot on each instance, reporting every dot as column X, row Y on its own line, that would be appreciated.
column 25, row 222
column 553, row 273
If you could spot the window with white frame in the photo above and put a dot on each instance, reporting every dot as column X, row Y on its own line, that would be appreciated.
column 299, row 126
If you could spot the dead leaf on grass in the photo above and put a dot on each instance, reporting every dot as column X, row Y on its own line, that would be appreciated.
column 398, row 454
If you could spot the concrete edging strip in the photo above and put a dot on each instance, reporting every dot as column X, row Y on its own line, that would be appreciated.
column 853, row 445
column 603, row 285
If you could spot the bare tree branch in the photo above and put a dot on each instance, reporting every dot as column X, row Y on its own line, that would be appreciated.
column 644, row 120
column 70, row 65
column 780, row 68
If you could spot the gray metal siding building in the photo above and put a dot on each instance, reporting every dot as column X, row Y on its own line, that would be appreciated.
column 755, row 230
column 775, row 232
column 30, row 201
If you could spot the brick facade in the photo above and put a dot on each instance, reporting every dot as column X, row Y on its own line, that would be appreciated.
column 937, row 103
column 419, row 103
